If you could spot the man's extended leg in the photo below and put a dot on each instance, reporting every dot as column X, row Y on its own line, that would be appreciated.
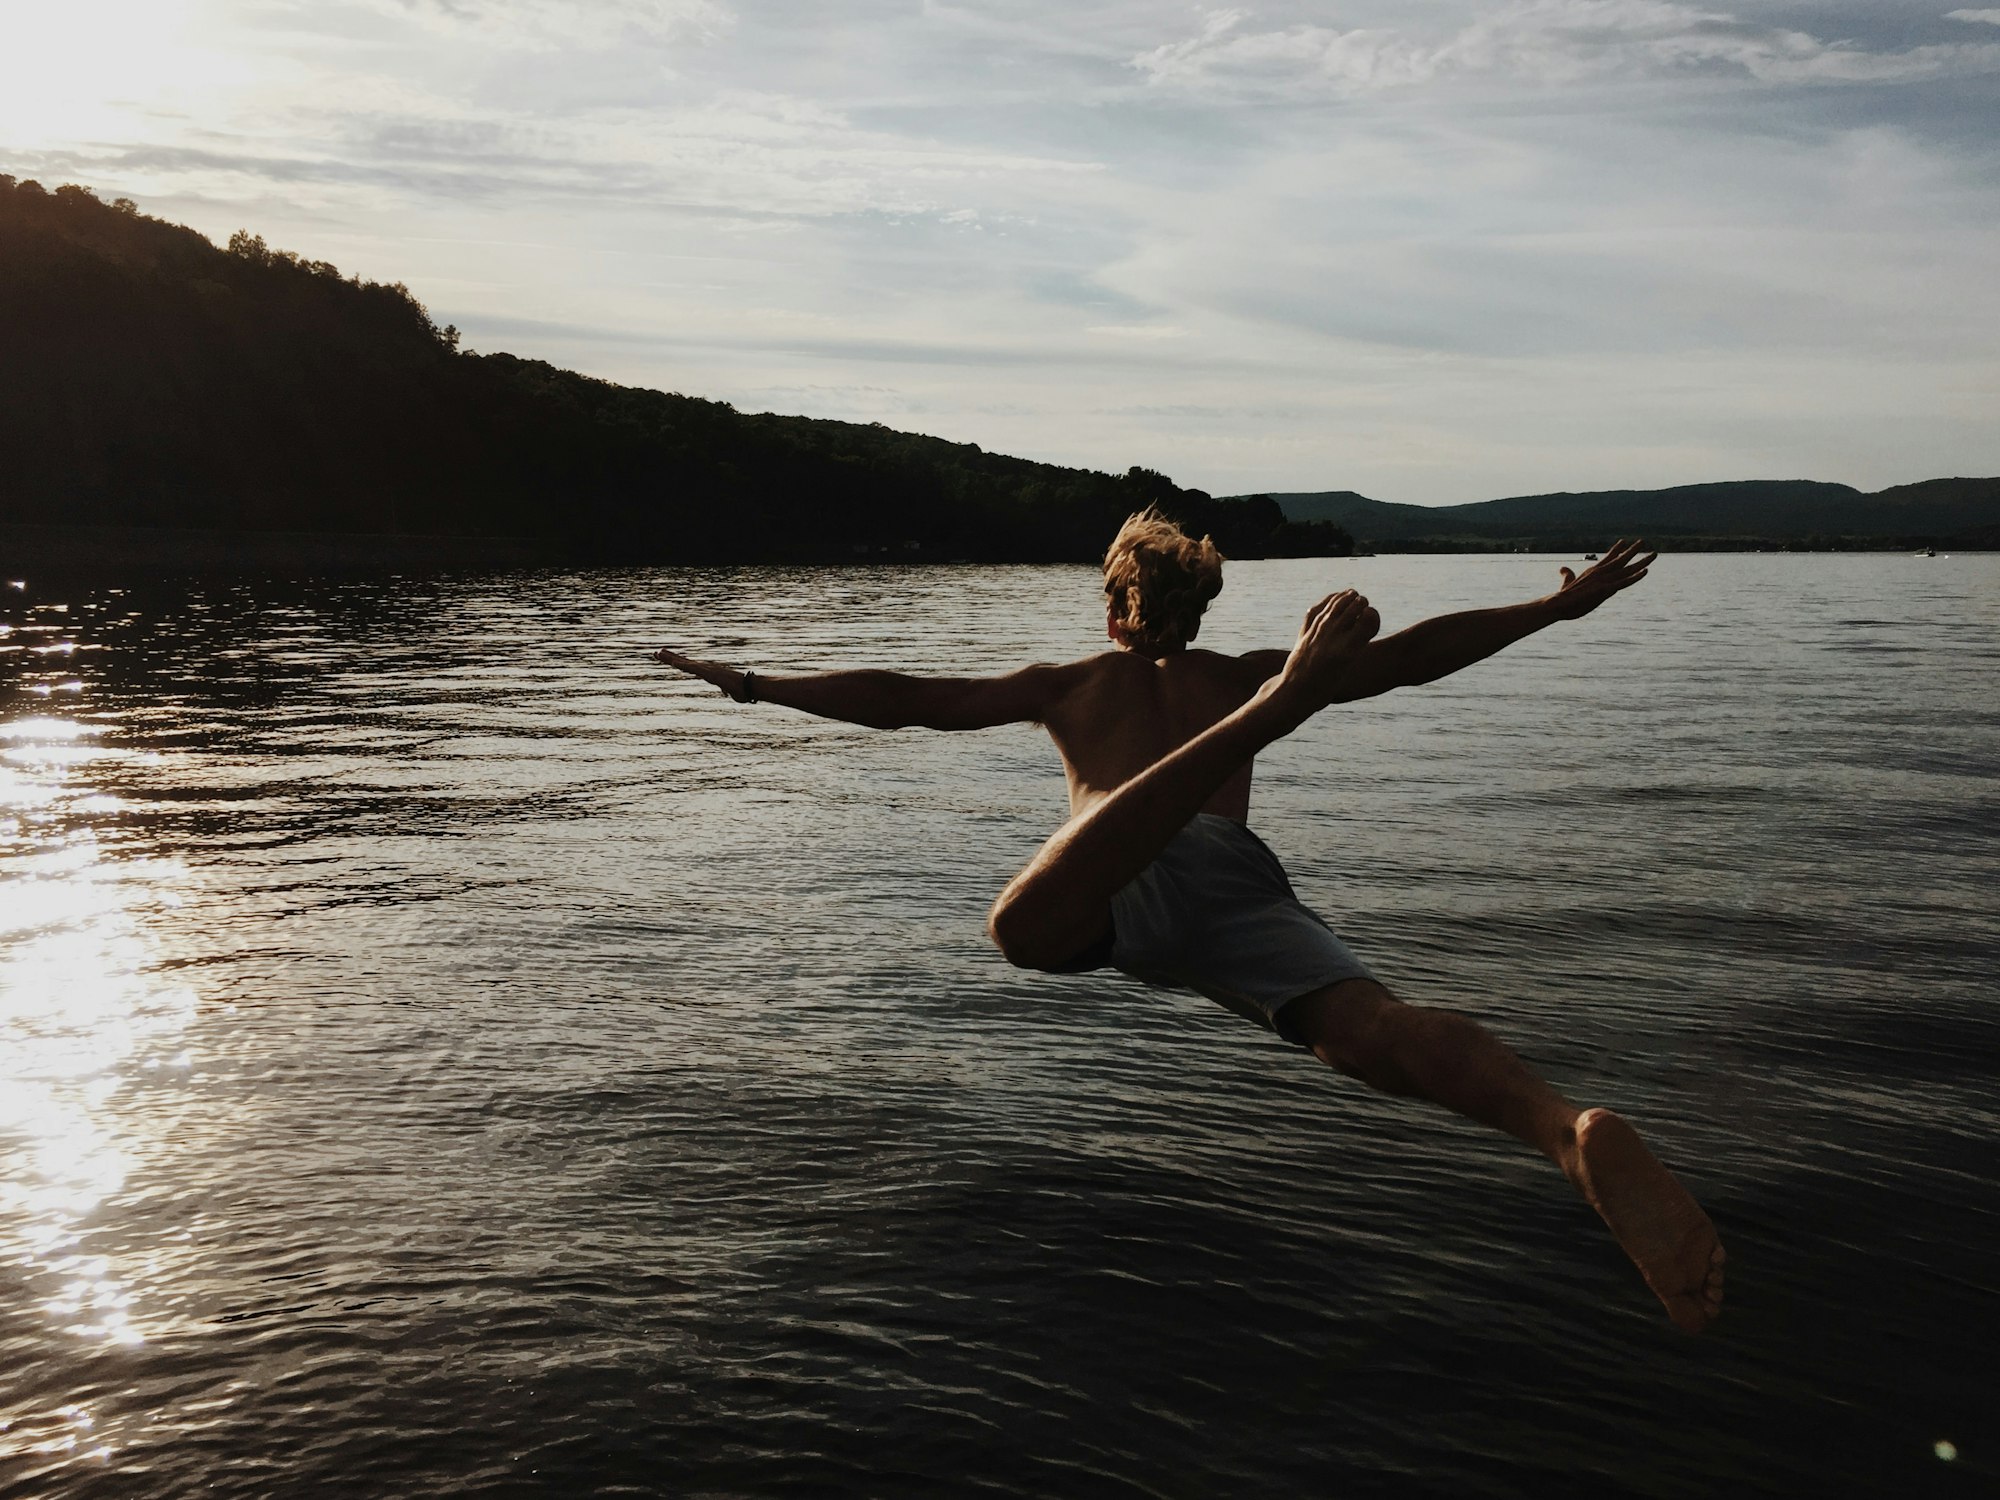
column 1062, row 900
column 1361, row 1029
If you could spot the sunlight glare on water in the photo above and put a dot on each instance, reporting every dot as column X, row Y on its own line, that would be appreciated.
column 83, row 1012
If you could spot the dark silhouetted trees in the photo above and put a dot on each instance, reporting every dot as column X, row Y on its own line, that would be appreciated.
column 149, row 378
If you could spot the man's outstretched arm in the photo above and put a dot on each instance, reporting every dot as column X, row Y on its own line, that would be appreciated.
column 894, row 700
column 1437, row 647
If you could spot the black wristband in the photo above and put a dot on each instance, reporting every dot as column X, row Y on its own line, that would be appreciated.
column 749, row 688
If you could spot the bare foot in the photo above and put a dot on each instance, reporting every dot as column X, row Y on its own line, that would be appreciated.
column 1654, row 1219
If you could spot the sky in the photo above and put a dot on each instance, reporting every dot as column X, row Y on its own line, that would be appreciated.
column 1431, row 250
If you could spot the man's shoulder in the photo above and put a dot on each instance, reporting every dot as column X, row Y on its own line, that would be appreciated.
column 1085, row 674
column 1198, row 660
column 1101, row 663
column 1250, row 664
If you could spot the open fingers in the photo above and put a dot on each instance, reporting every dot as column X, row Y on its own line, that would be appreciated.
column 1620, row 565
column 1624, row 552
column 1631, row 568
column 1614, row 557
column 1632, row 578
column 1624, row 578
column 1615, row 554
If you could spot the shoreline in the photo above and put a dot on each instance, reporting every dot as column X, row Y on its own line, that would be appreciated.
column 71, row 549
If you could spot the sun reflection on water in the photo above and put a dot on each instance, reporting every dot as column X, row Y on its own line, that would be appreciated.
column 82, row 1012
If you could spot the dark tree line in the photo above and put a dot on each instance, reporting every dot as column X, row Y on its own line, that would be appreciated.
column 149, row 378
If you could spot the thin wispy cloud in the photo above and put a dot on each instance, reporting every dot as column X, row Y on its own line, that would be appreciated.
column 1550, row 42
column 551, row 25
column 1432, row 253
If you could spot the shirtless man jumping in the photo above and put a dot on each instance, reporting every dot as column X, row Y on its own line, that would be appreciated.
column 1156, row 873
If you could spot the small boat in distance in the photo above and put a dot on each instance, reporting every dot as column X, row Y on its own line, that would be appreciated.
column 1590, row 557
column 1927, row 552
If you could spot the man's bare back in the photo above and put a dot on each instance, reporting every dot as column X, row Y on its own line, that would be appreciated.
column 1123, row 711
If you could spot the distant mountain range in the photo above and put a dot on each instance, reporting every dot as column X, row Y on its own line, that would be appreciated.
column 1735, row 514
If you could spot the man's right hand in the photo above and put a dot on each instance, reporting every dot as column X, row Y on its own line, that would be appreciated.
column 1334, row 632
column 727, row 678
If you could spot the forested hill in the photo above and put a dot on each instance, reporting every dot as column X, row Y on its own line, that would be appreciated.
column 1792, row 512
column 150, row 379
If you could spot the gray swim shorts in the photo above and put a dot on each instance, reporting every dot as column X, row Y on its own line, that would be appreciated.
column 1215, row 913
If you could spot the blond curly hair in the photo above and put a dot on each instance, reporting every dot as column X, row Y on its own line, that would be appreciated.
column 1159, row 580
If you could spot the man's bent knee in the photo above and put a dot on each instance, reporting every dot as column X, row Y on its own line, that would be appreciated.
column 1014, row 945
column 1029, row 941
column 1021, row 941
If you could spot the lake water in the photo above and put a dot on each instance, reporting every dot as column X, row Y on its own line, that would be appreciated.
column 443, row 1053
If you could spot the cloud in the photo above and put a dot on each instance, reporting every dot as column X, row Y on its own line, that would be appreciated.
column 547, row 25
column 745, row 155
column 1990, row 17
column 1548, row 42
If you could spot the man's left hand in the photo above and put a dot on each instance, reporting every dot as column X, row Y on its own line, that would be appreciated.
column 1582, row 592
